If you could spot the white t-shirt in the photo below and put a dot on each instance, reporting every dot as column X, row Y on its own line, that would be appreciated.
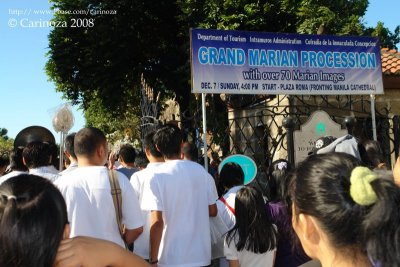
column 223, row 211
column 71, row 167
column 48, row 172
column 182, row 190
column 90, row 206
column 10, row 175
column 142, row 243
column 247, row 258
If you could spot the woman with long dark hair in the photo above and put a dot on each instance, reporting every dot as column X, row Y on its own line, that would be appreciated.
column 345, row 214
column 289, row 252
column 252, row 241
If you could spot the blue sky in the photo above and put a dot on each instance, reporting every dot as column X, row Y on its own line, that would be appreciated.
column 28, row 98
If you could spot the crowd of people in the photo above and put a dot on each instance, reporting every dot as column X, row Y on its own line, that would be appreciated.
column 160, row 207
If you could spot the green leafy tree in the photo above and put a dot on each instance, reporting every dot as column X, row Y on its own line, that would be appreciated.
column 340, row 17
column 387, row 38
column 101, row 64
column 3, row 133
column 122, row 126
column 263, row 15
column 6, row 143
column 105, row 60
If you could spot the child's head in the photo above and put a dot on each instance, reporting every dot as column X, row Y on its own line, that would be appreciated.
column 253, row 227
column 33, row 220
column 278, row 179
column 371, row 154
column 347, row 207
column 16, row 162
column 231, row 175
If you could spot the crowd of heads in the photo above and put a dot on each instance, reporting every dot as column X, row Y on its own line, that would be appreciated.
column 333, row 197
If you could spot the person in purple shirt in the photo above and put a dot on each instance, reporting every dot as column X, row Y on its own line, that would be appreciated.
column 289, row 252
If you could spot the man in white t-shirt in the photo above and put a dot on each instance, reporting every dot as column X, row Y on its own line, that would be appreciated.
column 181, row 196
column 87, row 193
column 142, row 244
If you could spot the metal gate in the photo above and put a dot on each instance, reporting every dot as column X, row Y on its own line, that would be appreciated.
column 260, row 126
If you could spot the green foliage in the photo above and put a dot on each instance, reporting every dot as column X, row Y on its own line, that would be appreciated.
column 340, row 17
column 3, row 133
column 386, row 37
column 6, row 143
column 122, row 126
column 106, row 61
column 242, row 15
column 100, row 67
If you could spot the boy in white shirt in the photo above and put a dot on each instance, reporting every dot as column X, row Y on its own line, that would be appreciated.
column 142, row 244
column 87, row 193
column 181, row 196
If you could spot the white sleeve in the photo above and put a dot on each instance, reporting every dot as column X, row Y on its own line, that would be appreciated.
column 212, row 190
column 136, row 184
column 131, row 213
column 230, row 251
column 151, row 199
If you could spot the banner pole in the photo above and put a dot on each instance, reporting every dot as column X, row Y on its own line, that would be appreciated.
column 373, row 117
column 61, row 162
column 203, row 107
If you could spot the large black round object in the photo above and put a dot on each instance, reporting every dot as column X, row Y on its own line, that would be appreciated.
column 33, row 133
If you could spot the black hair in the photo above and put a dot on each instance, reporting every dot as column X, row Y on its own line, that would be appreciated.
column 253, row 230
column 168, row 140
column 69, row 145
column 16, row 163
column 321, row 188
column 4, row 161
column 128, row 153
column 54, row 153
column 149, row 144
column 371, row 153
column 87, row 140
column 214, row 156
column 33, row 215
column 190, row 151
column 36, row 154
column 231, row 175
column 278, row 177
column 141, row 160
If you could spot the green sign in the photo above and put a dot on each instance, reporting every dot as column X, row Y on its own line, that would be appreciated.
column 320, row 129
